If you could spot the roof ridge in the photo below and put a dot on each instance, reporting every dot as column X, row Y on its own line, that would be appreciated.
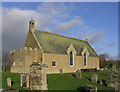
column 61, row 35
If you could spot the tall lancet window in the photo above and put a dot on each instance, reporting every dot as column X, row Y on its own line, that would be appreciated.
column 71, row 58
column 85, row 59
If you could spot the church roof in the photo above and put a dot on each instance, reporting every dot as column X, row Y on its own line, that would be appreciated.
column 58, row 44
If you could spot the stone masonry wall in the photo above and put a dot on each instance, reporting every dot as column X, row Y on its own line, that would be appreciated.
column 24, row 56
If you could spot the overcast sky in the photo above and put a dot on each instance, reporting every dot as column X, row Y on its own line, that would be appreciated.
column 98, row 22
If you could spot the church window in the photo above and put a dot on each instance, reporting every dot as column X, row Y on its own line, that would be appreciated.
column 20, row 62
column 71, row 58
column 13, row 63
column 53, row 63
column 85, row 59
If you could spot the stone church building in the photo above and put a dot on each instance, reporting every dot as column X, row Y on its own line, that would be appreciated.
column 56, row 51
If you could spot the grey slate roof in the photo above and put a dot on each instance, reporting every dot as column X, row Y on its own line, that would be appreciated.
column 58, row 44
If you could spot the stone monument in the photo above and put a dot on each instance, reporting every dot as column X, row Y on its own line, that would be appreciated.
column 78, row 74
column 38, row 80
column 94, row 78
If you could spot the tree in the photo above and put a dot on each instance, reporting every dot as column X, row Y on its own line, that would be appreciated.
column 103, row 58
column 5, row 61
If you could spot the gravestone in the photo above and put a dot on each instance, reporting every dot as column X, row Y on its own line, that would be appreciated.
column 113, row 77
column 25, row 80
column 103, row 82
column 78, row 74
column 61, row 72
column 9, row 82
column 94, row 78
column 90, row 88
column 38, row 80
column 114, row 68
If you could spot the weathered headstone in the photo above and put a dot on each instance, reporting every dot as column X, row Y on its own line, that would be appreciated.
column 25, row 80
column 78, row 74
column 90, row 88
column 102, row 82
column 113, row 77
column 102, row 69
column 9, row 82
column 114, row 68
column 61, row 72
column 38, row 80
column 94, row 78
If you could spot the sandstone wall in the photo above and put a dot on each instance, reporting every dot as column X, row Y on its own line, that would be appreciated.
column 27, row 56
column 63, row 62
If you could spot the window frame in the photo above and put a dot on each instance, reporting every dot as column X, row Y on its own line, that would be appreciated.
column 20, row 62
column 55, row 63
column 14, row 64
column 85, row 59
column 72, row 59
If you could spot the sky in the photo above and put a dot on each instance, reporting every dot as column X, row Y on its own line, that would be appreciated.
column 95, row 21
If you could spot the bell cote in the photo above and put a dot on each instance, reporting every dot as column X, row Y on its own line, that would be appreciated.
column 32, row 25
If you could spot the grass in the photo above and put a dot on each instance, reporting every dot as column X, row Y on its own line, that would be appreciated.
column 60, row 82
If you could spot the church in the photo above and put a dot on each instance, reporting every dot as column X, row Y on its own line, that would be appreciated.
column 56, row 51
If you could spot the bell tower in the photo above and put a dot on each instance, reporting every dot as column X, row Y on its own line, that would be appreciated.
column 32, row 25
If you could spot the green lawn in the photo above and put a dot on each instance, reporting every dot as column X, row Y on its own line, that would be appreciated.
column 60, row 82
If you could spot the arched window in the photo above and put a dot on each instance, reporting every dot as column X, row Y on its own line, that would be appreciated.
column 85, row 59
column 71, row 58
column 13, row 63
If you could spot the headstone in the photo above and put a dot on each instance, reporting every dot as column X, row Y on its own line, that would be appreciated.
column 102, row 82
column 90, row 88
column 38, row 80
column 102, row 69
column 116, row 85
column 61, row 72
column 9, row 82
column 112, row 85
column 114, row 68
column 78, row 74
column 94, row 78
column 25, row 80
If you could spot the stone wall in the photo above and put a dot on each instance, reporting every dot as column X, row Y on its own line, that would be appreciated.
column 63, row 62
column 23, row 58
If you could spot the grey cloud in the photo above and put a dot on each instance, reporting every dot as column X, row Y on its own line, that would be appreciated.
column 111, row 44
column 92, row 36
column 15, row 22
column 95, row 37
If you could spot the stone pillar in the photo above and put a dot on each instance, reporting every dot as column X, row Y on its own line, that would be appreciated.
column 38, row 80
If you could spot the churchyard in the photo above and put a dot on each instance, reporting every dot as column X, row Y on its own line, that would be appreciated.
column 66, row 81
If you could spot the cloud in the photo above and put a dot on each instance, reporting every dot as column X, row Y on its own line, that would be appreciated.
column 16, row 21
column 65, row 26
column 111, row 44
column 92, row 36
